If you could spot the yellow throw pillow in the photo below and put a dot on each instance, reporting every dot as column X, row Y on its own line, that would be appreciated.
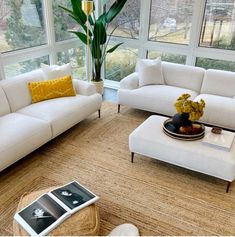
column 56, row 88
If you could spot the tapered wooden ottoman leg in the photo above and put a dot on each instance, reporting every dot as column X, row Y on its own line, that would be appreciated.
column 132, row 157
column 119, row 108
column 228, row 186
column 99, row 113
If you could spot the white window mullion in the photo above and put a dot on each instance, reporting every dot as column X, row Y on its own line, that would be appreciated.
column 2, row 74
column 50, row 29
column 198, row 14
column 24, row 55
column 145, row 12
column 65, row 46
column 214, row 53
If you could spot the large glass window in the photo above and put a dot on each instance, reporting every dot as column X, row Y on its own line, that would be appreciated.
column 23, row 67
column 21, row 24
column 171, row 21
column 77, row 59
column 218, row 30
column 128, row 21
column 209, row 63
column 63, row 22
column 168, row 57
column 120, row 63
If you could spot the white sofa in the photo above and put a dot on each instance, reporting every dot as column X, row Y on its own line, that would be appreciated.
column 25, row 127
column 216, row 87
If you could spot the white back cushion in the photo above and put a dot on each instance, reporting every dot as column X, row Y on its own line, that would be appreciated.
column 217, row 82
column 183, row 76
column 55, row 71
column 150, row 72
column 16, row 89
column 4, row 106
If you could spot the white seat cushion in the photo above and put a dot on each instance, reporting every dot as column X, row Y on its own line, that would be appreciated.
column 4, row 106
column 155, row 98
column 183, row 76
column 219, row 110
column 63, row 113
column 217, row 82
column 20, row 135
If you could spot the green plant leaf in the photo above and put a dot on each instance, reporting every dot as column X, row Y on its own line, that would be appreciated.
column 78, row 20
column 96, row 50
column 81, row 36
column 77, row 10
column 66, row 9
column 102, row 18
column 100, row 37
column 100, row 34
column 114, row 48
column 114, row 10
column 91, row 21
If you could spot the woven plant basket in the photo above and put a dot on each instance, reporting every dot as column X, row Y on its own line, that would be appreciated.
column 99, row 86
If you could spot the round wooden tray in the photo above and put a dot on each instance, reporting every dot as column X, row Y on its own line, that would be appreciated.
column 168, row 130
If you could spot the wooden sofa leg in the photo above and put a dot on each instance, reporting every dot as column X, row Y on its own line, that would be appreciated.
column 228, row 186
column 119, row 108
column 132, row 157
column 99, row 113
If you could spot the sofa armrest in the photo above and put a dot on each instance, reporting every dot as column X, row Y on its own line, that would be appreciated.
column 83, row 87
column 130, row 82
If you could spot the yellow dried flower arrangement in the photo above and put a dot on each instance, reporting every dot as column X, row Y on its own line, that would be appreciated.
column 194, row 109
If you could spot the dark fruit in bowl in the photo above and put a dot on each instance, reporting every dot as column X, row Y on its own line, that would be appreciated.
column 187, row 130
column 196, row 128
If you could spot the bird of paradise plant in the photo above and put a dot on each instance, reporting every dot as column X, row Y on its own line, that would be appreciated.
column 96, row 33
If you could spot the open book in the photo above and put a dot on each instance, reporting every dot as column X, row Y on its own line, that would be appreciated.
column 49, row 210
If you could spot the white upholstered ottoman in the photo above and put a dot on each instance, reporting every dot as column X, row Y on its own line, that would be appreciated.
column 150, row 140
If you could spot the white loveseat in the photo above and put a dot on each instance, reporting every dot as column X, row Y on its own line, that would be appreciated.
column 216, row 87
column 25, row 127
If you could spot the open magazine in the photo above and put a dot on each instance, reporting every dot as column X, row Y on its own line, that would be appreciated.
column 49, row 210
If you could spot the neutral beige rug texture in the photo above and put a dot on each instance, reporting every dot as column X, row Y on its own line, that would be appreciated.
column 160, row 199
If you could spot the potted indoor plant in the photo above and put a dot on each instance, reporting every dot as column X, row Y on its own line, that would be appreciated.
column 93, row 32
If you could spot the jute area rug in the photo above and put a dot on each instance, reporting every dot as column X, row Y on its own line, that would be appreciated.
column 160, row 199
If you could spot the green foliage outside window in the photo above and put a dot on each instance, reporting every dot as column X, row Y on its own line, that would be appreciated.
column 168, row 57
column 20, row 35
column 208, row 63
column 62, row 21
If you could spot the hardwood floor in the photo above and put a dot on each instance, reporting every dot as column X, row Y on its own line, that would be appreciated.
column 160, row 199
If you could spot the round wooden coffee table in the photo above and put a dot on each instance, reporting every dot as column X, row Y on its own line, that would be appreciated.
column 85, row 222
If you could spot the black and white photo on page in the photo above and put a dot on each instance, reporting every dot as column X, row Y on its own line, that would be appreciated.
column 74, row 195
column 40, row 216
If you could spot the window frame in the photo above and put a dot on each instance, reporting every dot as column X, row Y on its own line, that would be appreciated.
column 51, row 47
column 142, row 44
column 191, row 51
column 185, row 44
